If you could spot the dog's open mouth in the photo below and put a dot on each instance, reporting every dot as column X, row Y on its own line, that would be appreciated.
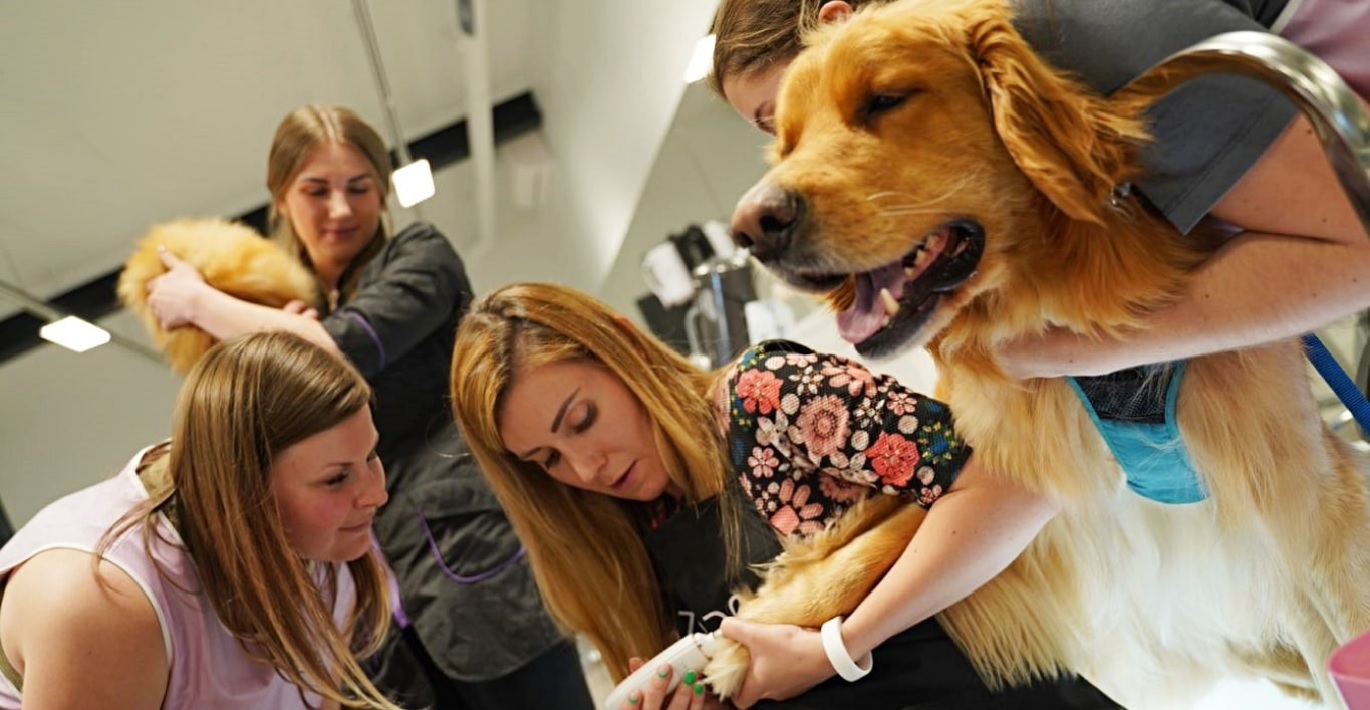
column 894, row 301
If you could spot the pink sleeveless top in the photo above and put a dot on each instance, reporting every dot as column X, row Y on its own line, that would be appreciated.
column 209, row 669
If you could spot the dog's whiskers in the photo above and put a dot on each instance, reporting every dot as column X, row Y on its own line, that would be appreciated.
column 903, row 211
column 926, row 206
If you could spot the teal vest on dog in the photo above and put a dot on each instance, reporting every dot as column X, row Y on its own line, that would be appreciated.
column 1134, row 410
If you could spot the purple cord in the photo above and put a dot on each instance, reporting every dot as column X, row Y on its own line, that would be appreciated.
column 371, row 332
column 460, row 579
column 397, row 608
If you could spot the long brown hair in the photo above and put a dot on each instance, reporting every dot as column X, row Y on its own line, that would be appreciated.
column 244, row 402
column 586, row 548
column 299, row 133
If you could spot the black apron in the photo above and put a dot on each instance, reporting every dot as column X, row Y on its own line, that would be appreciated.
column 917, row 669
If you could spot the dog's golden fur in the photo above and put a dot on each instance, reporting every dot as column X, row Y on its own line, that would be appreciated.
column 232, row 258
column 1151, row 602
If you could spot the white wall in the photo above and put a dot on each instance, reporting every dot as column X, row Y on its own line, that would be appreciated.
column 707, row 159
column 70, row 419
column 609, row 84
column 121, row 114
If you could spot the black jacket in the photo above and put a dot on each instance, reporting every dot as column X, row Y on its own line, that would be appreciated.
column 475, row 608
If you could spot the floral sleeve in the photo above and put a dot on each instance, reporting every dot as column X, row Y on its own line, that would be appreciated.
column 812, row 433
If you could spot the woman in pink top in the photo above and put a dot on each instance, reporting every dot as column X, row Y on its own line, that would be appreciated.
column 229, row 568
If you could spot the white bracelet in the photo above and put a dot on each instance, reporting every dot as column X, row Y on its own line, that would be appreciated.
column 837, row 652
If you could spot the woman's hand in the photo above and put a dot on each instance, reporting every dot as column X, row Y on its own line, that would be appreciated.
column 786, row 660
column 300, row 308
column 669, row 693
column 173, row 296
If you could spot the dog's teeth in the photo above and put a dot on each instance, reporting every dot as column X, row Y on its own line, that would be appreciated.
column 909, row 271
column 920, row 257
column 885, row 323
column 933, row 241
column 891, row 305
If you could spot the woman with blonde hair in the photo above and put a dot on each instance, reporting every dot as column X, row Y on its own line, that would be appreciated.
column 471, row 631
column 231, row 567
column 645, row 488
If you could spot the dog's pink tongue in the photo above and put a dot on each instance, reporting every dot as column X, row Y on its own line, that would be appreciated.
column 867, row 313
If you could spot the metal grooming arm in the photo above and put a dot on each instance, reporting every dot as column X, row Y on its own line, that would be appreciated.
column 1341, row 122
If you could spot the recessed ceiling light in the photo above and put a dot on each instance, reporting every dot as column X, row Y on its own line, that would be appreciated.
column 74, row 334
column 413, row 183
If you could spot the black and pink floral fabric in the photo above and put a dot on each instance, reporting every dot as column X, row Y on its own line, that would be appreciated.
column 813, row 433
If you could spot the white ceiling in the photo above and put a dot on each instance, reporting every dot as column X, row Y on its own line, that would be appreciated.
column 114, row 116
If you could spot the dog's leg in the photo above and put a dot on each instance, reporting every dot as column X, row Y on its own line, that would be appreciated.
column 1310, row 634
column 1334, row 580
column 1343, row 549
column 821, row 577
column 1327, row 557
column 1283, row 665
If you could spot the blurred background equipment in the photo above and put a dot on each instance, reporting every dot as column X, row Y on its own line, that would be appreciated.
column 704, row 299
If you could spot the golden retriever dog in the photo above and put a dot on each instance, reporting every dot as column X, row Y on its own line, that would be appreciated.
column 937, row 179
column 231, row 256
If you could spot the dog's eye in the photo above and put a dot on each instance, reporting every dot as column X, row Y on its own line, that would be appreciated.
column 880, row 103
column 884, row 102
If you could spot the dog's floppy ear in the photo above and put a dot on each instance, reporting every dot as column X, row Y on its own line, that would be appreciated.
column 1065, row 139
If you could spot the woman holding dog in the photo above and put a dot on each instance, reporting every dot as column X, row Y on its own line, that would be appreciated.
column 644, row 488
column 472, row 630
column 231, row 567
column 1224, row 148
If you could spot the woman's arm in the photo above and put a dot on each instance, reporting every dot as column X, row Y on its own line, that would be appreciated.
column 973, row 531
column 180, row 297
column 868, row 430
column 81, row 638
column 1303, row 262
column 420, row 285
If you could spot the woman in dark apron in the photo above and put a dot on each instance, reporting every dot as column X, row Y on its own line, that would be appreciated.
column 644, row 489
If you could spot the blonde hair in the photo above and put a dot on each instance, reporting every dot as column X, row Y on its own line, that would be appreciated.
column 586, row 549
column 245, row 401
column 298, row 134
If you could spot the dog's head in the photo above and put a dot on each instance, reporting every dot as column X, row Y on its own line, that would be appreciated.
column 919, row 145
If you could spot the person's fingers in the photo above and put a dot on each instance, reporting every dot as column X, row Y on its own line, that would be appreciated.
column 169, row 260
column 300, row 308
column 699, row 695
column 743, row 632
column 690, row 687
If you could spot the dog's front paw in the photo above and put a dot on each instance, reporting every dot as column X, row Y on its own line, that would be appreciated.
column 727, row 668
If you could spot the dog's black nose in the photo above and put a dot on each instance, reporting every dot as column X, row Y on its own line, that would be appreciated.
column 766, row 219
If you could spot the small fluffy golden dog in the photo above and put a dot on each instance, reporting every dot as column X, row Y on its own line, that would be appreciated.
column 231, row 256
column 922, row 148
